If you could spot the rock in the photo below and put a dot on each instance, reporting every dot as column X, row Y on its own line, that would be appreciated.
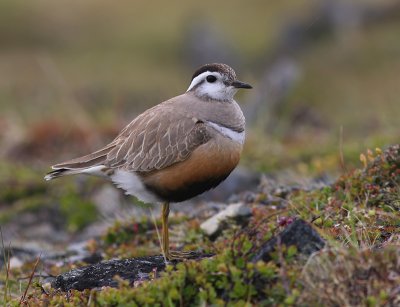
column 277, row 188
column 15, row 263
column 103, row 273
column 201, row 210
column 213, row 224
column 21, row 254
column 79, row 252
column 299, row 233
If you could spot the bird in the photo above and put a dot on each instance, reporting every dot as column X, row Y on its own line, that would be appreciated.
column 175, row 150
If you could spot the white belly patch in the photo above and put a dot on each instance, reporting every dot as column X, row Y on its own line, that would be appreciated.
column 132, row 185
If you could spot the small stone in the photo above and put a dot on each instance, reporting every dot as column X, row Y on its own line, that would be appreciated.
column 15, row 263
column 213, row 224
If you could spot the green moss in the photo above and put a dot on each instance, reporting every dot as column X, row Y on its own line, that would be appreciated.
column 18, row 182
column 355, row 208
column 121, row 233
column 23, row 205
column 78, row 213
column 24, row 190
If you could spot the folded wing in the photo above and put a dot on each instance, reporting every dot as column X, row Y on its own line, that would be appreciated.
column 154, row 140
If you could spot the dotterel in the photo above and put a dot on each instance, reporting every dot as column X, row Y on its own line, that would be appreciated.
column 176, row 150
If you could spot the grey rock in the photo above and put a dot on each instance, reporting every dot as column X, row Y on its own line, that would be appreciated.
column 23, row 253
column 299, row 233
column 277, row 187
column 103, row 273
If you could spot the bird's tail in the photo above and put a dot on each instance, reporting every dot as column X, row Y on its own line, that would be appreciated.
column 61, row 172
column 96, row 170
column 91, row 164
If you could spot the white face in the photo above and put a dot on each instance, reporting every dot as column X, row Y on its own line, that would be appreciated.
column 211, row 85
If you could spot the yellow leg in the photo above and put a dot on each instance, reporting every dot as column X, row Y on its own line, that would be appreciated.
column 165, row 234
column 171, row 255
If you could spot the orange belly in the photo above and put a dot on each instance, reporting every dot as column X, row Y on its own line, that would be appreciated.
column 206, row 167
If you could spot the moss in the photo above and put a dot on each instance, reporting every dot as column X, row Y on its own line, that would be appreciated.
column 78, row 213
column 23, row 205
column 18, row 182
column 24, row 191
column 354, row 210
column 352, row 277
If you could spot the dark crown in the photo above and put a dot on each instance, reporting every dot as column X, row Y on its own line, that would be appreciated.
column 216, row 67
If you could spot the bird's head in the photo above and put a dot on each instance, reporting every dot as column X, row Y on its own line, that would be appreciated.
column 215, row 82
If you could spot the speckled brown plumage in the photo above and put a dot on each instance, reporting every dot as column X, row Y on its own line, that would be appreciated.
column 163, row 135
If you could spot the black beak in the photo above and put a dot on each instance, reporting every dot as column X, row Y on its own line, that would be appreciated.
column 240, row 84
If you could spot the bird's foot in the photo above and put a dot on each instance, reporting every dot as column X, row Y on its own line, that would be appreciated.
column 182, row 255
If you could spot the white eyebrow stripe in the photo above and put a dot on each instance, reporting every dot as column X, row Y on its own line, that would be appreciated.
column 200, row 77
column 197, row 80
column 233, row 135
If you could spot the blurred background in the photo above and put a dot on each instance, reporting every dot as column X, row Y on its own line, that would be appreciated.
column 73, row 73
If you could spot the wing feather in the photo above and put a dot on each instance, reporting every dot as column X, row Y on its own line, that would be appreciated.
column 155, row 140
column 95, row 158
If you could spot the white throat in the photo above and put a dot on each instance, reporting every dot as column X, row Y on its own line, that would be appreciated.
column 217, row 90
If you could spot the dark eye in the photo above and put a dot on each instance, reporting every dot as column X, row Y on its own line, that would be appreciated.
column 211, row 79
